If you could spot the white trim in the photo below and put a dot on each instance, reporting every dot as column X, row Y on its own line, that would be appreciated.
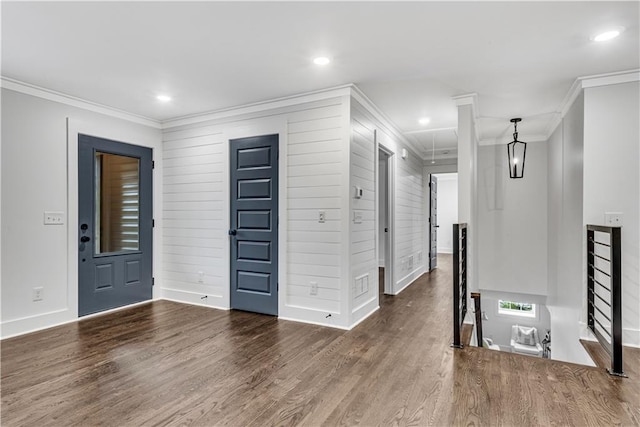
column 390, row 240
column 38, row 325
column 630, row 336
column 410, row 278
column 346, row 292
column 366, row 316
column 529, row 138
column 582, row 83
column 467, row 99
column 313, row 322
column 610, row 78
column 414, row 132
column 51, row 95
column 383, row 120
column 255, row 107
column 472, row 100
column 186, row 295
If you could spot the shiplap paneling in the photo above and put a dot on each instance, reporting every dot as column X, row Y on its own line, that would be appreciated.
column 409, row 221
column 195, row 193
column 362, row 168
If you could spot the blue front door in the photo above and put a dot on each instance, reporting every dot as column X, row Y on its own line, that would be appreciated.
column 114, row 224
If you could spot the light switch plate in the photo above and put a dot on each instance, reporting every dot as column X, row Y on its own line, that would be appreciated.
column 357, row 217
column 53, row 218
column 613, row 219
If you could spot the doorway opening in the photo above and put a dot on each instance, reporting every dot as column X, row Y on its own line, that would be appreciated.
column 385, row 221
column 447, row 211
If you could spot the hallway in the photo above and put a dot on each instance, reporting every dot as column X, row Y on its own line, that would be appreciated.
column 165, row 363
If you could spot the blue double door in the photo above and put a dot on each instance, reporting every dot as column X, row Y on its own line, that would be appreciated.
column 254, row 224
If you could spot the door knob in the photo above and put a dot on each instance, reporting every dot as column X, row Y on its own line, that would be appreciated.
column 85, row 239
column 233, row 232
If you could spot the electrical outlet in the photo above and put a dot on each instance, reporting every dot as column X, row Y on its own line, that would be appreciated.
column 313, row 290
column 200, row 276
column 53, row 218
column 411, row 262
column 613, row 219
column 38, row 294
column 322, row 216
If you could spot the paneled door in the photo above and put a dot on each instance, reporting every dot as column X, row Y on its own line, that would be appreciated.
column 433, row 222
column 114, row 224
column 254, row 224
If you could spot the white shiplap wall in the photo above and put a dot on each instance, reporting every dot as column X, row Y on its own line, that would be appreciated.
column 408, row 221
column 363, row 159
column 409, row 209
column 195, row 215
column 407, row 201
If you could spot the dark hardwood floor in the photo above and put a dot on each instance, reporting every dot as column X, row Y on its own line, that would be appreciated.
column 165, row 363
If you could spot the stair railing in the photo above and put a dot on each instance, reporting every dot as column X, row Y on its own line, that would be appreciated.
column 478, row 312
column 604, row 295
column 459, row 281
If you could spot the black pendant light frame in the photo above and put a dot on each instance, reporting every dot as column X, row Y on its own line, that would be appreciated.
column 516, row 150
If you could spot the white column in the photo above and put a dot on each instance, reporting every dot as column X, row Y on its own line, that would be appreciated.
column 467, row 180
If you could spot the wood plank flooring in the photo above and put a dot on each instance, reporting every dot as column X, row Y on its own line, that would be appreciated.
column 165, row 363
column 630, row 358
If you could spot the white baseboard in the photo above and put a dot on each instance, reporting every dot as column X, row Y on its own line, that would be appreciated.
column 630, row 337
column 365, row 310
column 193, row 298
column 39, row 322
column 403, row 283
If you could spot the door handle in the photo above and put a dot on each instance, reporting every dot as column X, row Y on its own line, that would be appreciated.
column 437, row 226
column 85, row 239
column 233, row 232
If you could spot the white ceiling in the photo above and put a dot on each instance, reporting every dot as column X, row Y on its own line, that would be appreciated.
column 409, row 58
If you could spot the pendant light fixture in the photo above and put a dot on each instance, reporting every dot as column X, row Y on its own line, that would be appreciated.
column 516, row 150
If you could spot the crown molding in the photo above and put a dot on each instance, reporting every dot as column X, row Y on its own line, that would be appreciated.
column 585, row 82
column 51, row 95
column 521, row 136
column 383, row 119
column 610, row 78
column 472, row 100
column 420, row 131
column 257, row 107
column 467, row 99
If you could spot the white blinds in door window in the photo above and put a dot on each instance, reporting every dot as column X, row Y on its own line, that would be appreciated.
column 117, row 203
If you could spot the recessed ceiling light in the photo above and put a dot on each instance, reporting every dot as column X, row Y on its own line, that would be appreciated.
column 424, row 121
column 321, row 60
column 608, row 35
column 163, row 98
